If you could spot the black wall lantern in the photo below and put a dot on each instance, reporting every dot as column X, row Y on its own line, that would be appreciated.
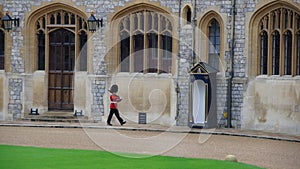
column 8, row 22
column 94, row 23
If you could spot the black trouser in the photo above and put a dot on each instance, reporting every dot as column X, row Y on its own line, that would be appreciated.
column 111, row 113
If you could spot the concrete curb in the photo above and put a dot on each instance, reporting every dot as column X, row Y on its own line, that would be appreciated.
column 225, row 132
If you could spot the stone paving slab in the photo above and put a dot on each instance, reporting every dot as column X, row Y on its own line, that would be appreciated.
column 159, row 128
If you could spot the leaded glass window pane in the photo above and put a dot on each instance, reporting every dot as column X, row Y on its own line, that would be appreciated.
column 152, row 39
column 66, row 18
column 214, row 44
column 127, row 23
column 214, row 36
column 288, row 53
column 41, row 50
column 58, row 21
column 264, row 53
column 188, row 15
column 124, row 52
column 143, row 42
column 52, row 19
column 149, row 18
column 155, row 24
column 286, row 19
column 283, row 42
column 135, row 21
column 83, row 51
column 73, row 19
column 44, row 23
column 166, row 53
column 163, row 23
column 274, row 20
column 138, row 41
column 142, row 21
column 275, row 53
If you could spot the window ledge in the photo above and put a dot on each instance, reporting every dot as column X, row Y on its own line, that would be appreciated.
column 278, row 77
column 156, row 75
column 40, row 72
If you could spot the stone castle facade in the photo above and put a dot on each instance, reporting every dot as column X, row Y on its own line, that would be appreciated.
column 255, row 47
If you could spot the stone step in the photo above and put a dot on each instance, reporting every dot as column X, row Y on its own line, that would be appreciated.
column 42, row 119
column 51, row 116
column 51, row 120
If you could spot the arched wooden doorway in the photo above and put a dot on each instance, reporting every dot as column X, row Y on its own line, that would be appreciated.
column 61, row 70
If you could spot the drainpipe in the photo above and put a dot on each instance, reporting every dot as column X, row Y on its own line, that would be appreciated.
column 194, row 27
column 231, row 68
column 177, row 89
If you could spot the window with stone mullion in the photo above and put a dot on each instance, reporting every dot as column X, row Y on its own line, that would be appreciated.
column 145, row 28
column 283, row 42
column 67, row 19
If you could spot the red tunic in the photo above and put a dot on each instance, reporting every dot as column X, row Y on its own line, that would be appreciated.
column 114, row 100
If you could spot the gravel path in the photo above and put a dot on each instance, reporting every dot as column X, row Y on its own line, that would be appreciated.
column 261, row 152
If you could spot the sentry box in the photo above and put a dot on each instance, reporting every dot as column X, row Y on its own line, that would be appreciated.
column 203, row 102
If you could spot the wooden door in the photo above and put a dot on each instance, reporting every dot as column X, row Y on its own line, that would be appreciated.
column 61, row 70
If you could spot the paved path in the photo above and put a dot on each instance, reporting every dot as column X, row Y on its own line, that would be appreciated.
column 269, row 153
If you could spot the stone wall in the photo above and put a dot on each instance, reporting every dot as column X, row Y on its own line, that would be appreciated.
column 98, row 85
column 221, row 101
column 15, row 89
column 98, row 90
column 185, row 62
column 272, row 104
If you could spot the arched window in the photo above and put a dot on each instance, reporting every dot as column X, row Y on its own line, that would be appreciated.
column 210, row 44
column 67, row 20
column 214, row 43
column 141, row 35
column 279, row 41
column 187, row 14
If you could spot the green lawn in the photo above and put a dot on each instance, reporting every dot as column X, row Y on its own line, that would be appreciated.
column 18, row 157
